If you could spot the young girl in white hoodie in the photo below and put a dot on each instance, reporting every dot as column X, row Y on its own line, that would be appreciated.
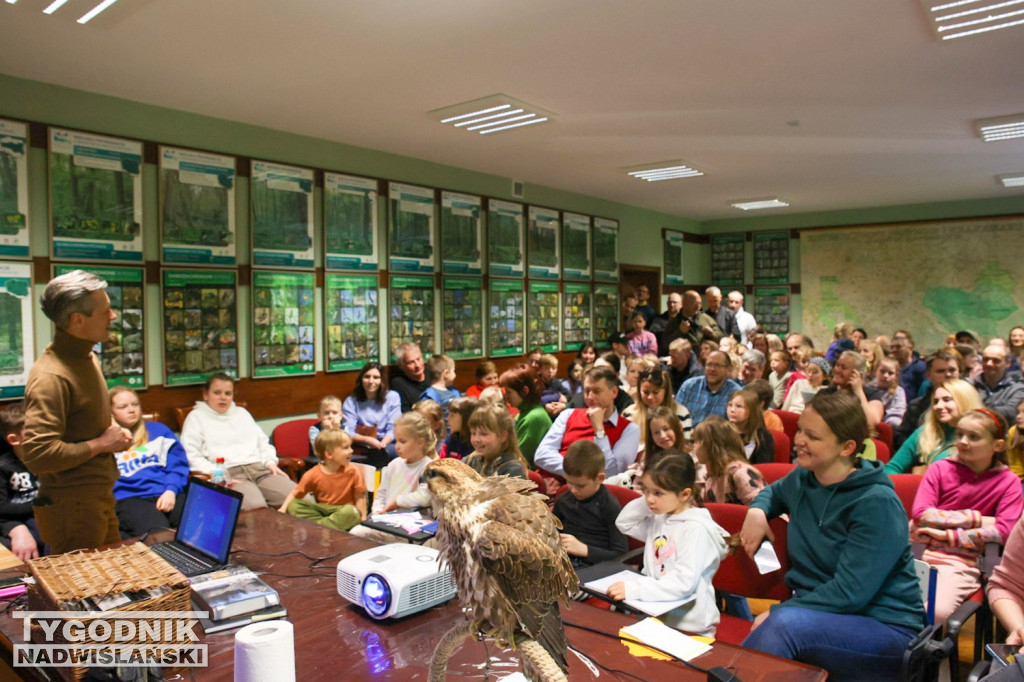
column 684, row 546
column 216, row 428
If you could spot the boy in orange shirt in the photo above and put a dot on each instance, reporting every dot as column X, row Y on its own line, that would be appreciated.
column 336, row 484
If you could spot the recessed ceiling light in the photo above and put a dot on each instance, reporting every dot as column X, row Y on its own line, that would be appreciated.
column 1003, row 128
column 54, row 6
column 491, row 115
column 962, row 18
column 665, row 170
column 758, row 204
column 85, row 18
column 1011, row 180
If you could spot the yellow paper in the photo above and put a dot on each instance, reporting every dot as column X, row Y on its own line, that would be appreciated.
column 635, row 648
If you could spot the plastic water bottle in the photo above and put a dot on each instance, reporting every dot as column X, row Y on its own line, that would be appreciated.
column 218, row 477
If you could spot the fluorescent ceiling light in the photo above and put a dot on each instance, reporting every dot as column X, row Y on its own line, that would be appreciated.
column 758, row 204
column 665, row 170
column 1002, row 128
column 53, row 6
column 492, row 114
column 972, row 17
column 1011, row 180
column 11, row 2
column 85, row 18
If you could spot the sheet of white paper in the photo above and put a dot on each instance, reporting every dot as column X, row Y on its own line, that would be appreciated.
column 651, row 608
column 657, row 634
column 765, row 558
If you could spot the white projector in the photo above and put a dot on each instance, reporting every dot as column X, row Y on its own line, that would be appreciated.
column 393, row 581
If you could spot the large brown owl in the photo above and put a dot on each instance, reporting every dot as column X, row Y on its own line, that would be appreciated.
column 502, row 546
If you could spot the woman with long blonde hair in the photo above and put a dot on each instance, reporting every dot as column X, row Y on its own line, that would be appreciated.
column 936, row 438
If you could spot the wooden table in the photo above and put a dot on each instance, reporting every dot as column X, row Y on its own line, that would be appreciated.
column 335, row 640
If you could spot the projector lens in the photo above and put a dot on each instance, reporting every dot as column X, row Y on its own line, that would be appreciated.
column 376, row 595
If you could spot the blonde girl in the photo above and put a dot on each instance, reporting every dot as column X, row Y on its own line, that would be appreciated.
column 730, row 478
column 683, row 545
column 872, row 354
column 495, row 445
column 802, row 390
column 894, row 398
column 964, row 502
column 935, row 439
column 635, row 366
column 153, row 471
column 663, row 432
column 400, row 486
column 654, row 389
column 435, row 417
column 747, row 419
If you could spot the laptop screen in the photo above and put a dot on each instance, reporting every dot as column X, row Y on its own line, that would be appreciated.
column 208, row 519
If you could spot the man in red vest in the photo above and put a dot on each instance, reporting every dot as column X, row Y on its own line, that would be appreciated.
column 599, row 421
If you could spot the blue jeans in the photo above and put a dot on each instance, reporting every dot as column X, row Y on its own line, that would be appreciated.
column 849, row 647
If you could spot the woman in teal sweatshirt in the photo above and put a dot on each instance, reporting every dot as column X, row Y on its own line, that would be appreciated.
column 856, row 600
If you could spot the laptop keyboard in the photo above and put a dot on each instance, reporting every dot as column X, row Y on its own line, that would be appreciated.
column 187, row 565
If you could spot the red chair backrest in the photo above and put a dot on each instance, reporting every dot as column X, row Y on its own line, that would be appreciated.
column 884, row 434
column 738, row 574
column 906, row 489
column 783, row 449
column 789, row 420
column 539, row 480
column 291, row 438
column 773, row 471
column 882, row 451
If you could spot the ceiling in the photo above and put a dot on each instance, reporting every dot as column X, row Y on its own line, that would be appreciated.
column 830, row 105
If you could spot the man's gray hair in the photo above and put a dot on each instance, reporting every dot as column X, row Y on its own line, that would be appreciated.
column 404, row 348
column 70, row 293
column 754, row 357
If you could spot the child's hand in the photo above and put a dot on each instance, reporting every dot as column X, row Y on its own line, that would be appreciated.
column 929, row 536
column 573, row 546
column 617, row 591
column 165, row 502
column 283, row 509
column 390, row 508
column 23, row 544
column 330, row 423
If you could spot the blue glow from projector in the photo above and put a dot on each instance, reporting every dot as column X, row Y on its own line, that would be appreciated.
column 376, row 595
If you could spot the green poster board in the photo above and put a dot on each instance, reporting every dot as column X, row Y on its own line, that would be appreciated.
column 673, row 248
column 771, row 309
column 197, row 207
column 462, row 335
column 606, row 250
column 771, row 258
column 411, row 240
column 576, row 246
column 95, row 197
column 353, row 322
column 14, row 240
column 544, row 231
column 282, row 320
column 505, row 320
column 606, row 313
column 412, row 312
column 123, row 355
column 200, row 325
column 506, row 247
column 542, row 306
column 576, row 316
column 16, row 346
column 727, row 259
column 281, row 215
column 350, row 222
column 461, row 234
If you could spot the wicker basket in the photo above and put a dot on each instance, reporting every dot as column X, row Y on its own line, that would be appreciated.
column 88, row 573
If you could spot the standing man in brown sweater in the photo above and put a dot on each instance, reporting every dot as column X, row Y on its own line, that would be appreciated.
column 69, row 434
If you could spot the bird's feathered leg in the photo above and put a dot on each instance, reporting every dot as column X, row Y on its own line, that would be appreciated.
column 446, row 647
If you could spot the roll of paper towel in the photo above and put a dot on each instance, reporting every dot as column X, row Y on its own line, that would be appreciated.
column 265, row 652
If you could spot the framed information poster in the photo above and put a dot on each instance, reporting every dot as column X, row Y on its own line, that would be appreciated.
column 200, row 325
column 606, row 250
column 282, row 320
column 95, row 196
column 576, row 246
column 505, row 241
column 462, row 300
column 411, row 228
column 197, row 207
column 771, row 309
column 350, row 223
column 13, row 189
column 673, row 247
column 606, row 313
column 771, row 258
column 353, row 321
column 545, row 234
column 462, row 236
column 505, row 321
column 576, row 328
column 727, row 259
column 281, row 215
column 122, row 355
column 412, row 313
column 543, row 315
column 17, row 352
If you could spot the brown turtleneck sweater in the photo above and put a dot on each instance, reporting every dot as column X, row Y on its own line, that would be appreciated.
column 66, row 404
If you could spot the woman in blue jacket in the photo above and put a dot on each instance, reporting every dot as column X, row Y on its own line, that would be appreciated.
column 856, row 600
column 154, row 471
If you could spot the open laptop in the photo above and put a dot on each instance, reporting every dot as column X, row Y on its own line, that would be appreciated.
column 207, row 528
